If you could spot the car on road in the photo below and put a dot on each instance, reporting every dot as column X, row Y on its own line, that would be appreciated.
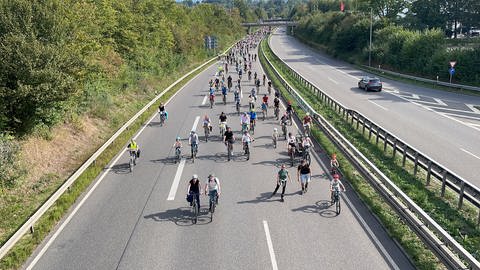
column 370, row 83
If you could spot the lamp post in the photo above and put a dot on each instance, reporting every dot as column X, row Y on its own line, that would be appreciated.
column 370, row 46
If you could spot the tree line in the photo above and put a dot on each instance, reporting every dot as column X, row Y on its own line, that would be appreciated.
column 63, row 56
column 404, row 38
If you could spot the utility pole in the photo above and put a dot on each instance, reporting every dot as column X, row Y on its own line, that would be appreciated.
column 370, row 47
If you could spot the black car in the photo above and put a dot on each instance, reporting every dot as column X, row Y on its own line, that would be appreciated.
column 370, row 83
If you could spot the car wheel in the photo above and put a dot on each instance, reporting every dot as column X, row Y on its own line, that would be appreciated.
column 366, row 88
column 359, row 86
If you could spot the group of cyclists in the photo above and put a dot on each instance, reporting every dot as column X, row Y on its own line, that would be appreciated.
column 241, row 57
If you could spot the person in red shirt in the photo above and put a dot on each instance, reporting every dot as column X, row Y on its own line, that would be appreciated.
column 265, row 99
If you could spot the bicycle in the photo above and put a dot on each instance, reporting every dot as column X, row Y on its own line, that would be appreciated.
column 244, row 127
column 206, row 129
column 290, row 118
column 291, row 153
column 213, row 204
column 336, row 201
column 229, row 150
column 194, row 208
column 264, row 113
column 246, row 147
column 178, row 154
column 212, row 101
column 277, row 112
column 306, row 154
column 222, row 126
column 306, row 128
column 237, row 105
column 133, row 159
column 224, row 99
column 162, row 118
column 274, row 139
column 284, row 130
column 252, row 126
column 194, row 150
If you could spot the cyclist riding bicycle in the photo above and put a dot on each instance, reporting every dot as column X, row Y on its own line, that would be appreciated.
column 246, row 140
column 253, row 116
column 306, row 142
column 334, row 164
column 193, row 189
column 177, row 144
column 236, row 95
column 161, row 108
column 284, row 119
column 264, row 78
column 276, row 102
column 244, row 120
column 193, row 140
column 222, row 118
column 229, row 81
column 275, row 136
column 224, row 90
column 291, row 142
column 307, row 120
column 264, row 107
column 133, row 148
column 265, row 99
column 289, row 108
column 336, row 184
column 207, row 122
column 212, row 188
column 253, row 93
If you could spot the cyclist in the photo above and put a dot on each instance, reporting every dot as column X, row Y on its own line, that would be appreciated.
column 223, row 118
column 240, row 72
column 264, row 78
column 270, row 87
column 161, row 108
column 275, row 137
column 257, row 84
column 277, row 93
column 224, row 90
column 178, row 144
column 229, row 82
column 255, row 76
column 335, row 184
column 265, row 99
column 306, row 142
column 134, row 149
column 193, row 189
column 236, row 95
column 282, row 177
column 291, row 142
column 207, row 122
column 246, row 140
column 253, row 116
column 193, row 140
column 334, row 164
column 307, row 121
column 212, row 189
column 289, row 111
column 304, row 175
column 249, row 75
column 253, row 93
column 244, row 120
column 264, row 109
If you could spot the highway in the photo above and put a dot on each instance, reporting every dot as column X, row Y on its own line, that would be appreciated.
column 141, row 220
column 442, row 125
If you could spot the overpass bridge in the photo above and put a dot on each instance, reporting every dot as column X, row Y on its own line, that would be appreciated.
column 270, row 23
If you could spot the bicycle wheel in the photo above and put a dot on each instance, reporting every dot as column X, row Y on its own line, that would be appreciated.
column 130, row 164
column 212, row 210
column 229, row 152
column 308, row 158
column 195, row 211
column 337, row 206
column 248, row 152
column 292, row 153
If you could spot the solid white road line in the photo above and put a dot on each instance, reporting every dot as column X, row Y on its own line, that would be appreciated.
column 469, row 153
column 80, row 204
column 378, row 243
column 270, row 246
column 176, row 180
column 194, row 127
column 204, row 100
column 378, row 105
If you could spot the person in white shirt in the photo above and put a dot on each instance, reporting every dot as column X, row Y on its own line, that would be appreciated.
column 212, row 189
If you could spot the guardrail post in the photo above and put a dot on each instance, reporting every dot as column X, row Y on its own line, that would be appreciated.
column 460, row 199
column 429, row 172
column 370, row 131
column 394, row 147
column 358, row 121
column 416, row 164
column 478, row 221
column 378, row 135
column 363, row 126
column 405, row 147
column 32, row 229
column 385, row 141
column 444, row 182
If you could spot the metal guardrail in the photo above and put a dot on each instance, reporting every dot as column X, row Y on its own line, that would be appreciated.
column 435, row 82
column 28, row 225
column 448, row 249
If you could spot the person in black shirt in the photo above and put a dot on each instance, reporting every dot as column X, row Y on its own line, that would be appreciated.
column 194, row 189
column 223, row 118
column 304, row 175
column 228, row 136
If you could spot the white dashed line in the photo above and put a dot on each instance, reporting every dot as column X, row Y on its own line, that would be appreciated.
column 176, row 180
column 204, row 100
column 470, row 153
column 194, row 127
column 472, row 107
column 378, row 105
column 332, row 80
column 270, row 246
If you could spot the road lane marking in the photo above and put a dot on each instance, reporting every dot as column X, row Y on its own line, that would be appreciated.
column 194, row 127
column 270, row 246
column 378, row 105
column 176, row 180
column 472, row 107
column 469, row 153
column 332, row 80
column 439, row 101
column 377, row 242
column 89, row 193
column 204, row 100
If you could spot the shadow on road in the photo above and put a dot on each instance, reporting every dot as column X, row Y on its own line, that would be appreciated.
column 181, row 216
column 320, row 207
column 122, row 168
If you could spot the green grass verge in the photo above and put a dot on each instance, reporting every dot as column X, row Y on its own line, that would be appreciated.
column 24, row 248
column 420, row 255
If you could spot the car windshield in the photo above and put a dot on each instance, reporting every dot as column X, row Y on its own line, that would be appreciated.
column 374, row 80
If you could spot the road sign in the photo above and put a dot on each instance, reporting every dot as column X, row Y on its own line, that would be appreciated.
column 451, row 71
column 452, row 63
column 211, row 42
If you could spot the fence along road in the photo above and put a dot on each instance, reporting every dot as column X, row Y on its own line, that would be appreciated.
column 129, row 223
column 447, row 133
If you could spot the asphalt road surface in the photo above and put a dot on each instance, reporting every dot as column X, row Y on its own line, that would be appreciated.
column 442, row 125
column 141, row 220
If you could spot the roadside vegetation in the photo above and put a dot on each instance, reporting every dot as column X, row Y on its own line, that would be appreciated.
column 417, row 43
column 461, row 224
column 72, row 73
